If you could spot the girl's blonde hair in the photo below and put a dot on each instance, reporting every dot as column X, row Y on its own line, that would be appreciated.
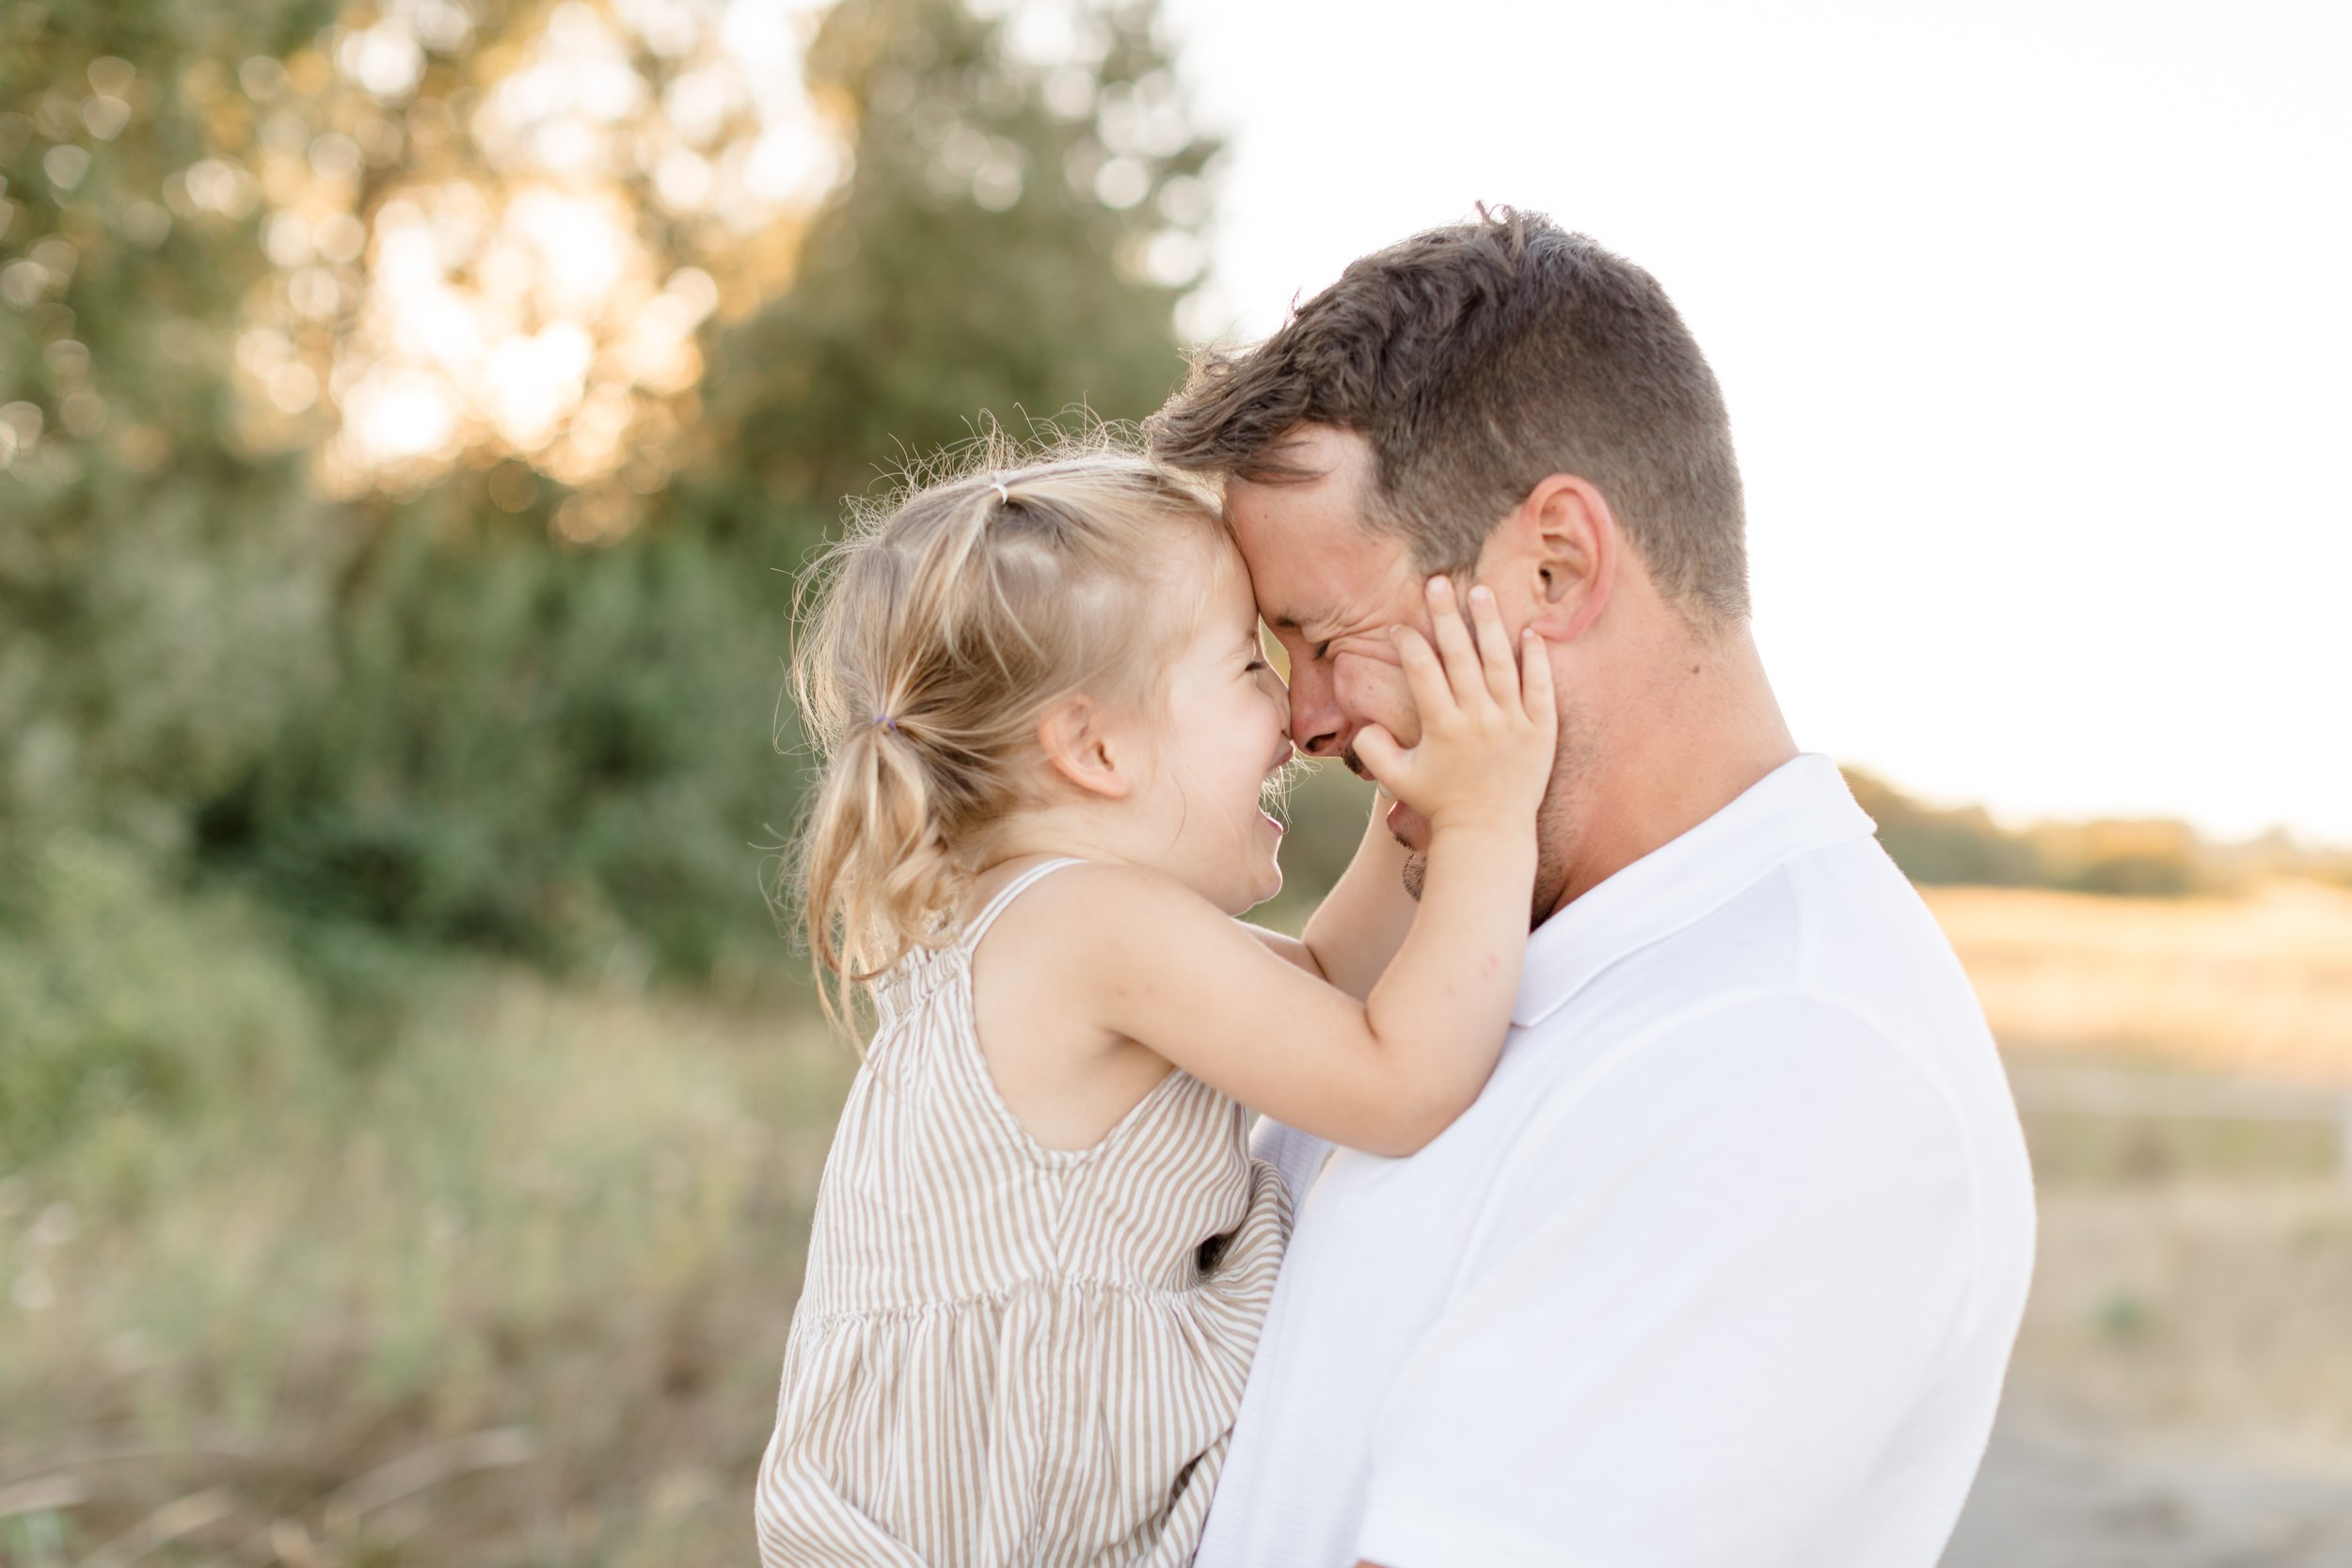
column 946, row 623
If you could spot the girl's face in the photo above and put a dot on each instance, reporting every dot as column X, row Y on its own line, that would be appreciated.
column 1225, row 734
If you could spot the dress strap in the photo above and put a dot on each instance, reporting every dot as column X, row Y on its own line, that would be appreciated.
column 1006, row 895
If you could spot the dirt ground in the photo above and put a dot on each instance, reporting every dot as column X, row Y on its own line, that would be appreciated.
column 2182, row 1395
column 2064, row 1491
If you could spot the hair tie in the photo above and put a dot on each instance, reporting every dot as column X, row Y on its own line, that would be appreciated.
column 1004, row 497
column 887, row 722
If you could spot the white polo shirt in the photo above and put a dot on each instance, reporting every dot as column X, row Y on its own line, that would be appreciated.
column 1723, row 1268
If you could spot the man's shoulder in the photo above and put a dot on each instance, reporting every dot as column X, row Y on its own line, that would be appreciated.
column 1820, row 995
column 1774, row 1049
column 1836, row 936
column 1813, row 1036
column 1774, row 1111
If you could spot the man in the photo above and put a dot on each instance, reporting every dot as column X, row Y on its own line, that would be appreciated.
column 1725, row 1264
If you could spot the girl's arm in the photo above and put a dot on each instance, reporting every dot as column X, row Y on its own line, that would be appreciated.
column 1158, row 965
column 1358, row 925
column 1361, row 922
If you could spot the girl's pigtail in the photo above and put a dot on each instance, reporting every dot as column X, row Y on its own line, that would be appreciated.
column 878, row 868
column 935, row 632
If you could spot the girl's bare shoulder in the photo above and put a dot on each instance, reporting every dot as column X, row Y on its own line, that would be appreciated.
column 1096, row 918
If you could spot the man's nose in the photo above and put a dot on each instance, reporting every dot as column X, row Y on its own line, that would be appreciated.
column 1318, row 728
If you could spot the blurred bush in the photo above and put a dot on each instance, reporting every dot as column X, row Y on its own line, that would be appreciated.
column 2123, row 858
column 1953, row 846
column 567, row 760
column 120, row 1001
column 164, row 590
column 1323, row 807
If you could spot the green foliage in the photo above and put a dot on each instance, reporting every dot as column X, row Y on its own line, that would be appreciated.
column 564, row 758
column 1931, row 845
column 2136, row 875
column 2131, row 859
column 972, row 262
column 1323, row 807
column 162, row 586
column 117, row 1000
column 2123, row 1318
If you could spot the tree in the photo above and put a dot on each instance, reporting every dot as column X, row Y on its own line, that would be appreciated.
column 162, row 583
column 1022, row 217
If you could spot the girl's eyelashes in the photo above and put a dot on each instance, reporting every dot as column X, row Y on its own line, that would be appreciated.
column 1322, row 649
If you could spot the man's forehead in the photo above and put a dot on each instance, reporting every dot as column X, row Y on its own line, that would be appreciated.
column 1305, row 456
column 1312, row 576
column 1309, row 453
column 1313, row 553
column 1311, row 481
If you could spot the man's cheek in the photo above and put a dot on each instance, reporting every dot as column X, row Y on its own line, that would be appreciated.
column 1372, row 691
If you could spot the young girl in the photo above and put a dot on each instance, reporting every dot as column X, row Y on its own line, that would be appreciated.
column 1042, row 1251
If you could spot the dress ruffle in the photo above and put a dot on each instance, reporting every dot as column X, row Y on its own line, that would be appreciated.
column 1085, row 1422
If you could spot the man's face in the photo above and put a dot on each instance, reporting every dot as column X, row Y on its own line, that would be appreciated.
column 1331, row 589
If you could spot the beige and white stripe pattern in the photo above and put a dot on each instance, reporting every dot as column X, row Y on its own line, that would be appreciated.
column 1006, row 1353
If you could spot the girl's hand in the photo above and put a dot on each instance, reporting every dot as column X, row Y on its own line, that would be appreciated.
column 1487, row 719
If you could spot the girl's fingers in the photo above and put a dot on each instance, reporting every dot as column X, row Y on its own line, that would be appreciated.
column 1535, row 679
column 1495, row 657
column 1377, row 750
column 1453, row 642
column 1424, row 677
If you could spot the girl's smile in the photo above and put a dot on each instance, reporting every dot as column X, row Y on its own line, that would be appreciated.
column 1224, row 737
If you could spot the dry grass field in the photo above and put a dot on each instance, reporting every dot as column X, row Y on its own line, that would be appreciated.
column 2196, row 1259
column 519, row 1298
column 2182, row 1394
column 2259, row 986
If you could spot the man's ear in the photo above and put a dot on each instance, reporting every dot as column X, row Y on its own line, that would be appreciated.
column 1079, row 745
column 1554, row 558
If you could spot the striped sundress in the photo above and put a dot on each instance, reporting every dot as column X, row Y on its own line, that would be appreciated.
column 1006, row 1353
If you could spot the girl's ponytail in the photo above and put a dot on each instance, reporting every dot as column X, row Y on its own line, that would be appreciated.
column 876, row 863
column 946, row 623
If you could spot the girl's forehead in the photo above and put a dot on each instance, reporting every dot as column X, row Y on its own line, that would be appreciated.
column 1204, row 596
column 1219, row 560
column 1226, row 601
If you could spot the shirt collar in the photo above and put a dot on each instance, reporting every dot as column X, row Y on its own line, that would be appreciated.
column 1799, row 806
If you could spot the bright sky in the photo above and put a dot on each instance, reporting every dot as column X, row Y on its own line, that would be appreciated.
column 2035, row 319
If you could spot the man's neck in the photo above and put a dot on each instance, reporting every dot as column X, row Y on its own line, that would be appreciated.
column 1669, row 754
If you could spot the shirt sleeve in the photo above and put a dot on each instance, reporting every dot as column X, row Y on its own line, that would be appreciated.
column 1692, row 1310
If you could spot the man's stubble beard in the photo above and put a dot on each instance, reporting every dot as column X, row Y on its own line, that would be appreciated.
column 1555, row 831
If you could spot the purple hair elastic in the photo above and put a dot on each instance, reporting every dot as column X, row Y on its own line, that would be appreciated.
column 886, row 723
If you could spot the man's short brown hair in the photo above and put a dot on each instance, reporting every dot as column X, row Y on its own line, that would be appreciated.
column 1476, row 360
